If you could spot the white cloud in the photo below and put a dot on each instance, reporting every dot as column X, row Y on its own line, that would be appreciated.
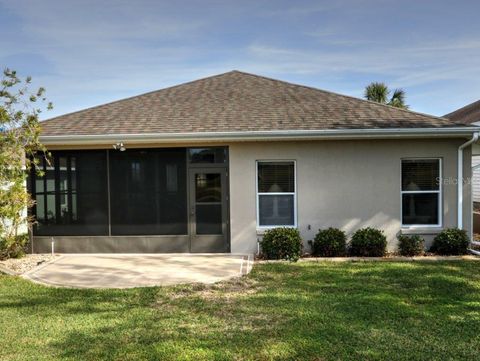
column 412, row 65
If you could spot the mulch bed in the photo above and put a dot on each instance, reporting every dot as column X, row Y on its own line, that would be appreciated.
column 27, row 263
column 389, row 258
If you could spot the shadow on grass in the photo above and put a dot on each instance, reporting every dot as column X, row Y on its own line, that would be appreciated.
column 394, row 311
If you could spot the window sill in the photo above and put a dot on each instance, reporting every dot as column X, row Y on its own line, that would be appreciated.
column 421, row 230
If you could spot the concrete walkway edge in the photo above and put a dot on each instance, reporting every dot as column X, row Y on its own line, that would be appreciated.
column 8, row 271
column 138, row 270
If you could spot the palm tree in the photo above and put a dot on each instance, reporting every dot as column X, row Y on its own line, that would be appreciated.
column 379, row 92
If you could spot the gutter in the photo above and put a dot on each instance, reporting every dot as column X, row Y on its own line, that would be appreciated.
column 460, row 178
column 238, row 136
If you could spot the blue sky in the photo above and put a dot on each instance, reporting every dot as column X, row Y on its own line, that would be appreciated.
column 90, row 52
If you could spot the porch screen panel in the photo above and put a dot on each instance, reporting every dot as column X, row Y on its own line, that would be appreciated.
column 71, row 197
column 148, row 192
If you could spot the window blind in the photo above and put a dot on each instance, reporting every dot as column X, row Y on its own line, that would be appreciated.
column 420, row 175
column 276, row 177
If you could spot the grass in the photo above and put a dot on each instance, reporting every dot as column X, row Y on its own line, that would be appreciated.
column 304, row 311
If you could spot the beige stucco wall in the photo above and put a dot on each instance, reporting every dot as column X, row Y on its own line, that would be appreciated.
column 345, row 184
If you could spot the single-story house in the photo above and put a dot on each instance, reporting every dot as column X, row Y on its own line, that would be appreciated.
column 209, row 165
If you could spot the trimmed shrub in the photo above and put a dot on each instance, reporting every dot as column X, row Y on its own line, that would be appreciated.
column 451, row 241
column 282, row 243
column 331, row 242
column 368, row 242
column 411, row 245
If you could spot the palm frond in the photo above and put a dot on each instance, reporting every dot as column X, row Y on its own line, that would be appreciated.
column 377, row 92
column 398, row 99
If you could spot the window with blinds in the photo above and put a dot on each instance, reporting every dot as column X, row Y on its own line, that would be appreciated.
column 421, row 192
column 276, row 194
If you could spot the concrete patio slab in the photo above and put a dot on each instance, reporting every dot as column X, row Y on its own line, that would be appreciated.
column 139, row 270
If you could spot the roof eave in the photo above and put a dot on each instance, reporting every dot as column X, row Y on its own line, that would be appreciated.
column 274, row 135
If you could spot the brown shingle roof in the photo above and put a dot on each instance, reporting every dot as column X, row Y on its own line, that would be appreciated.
column 467, row 115
column 236, row 101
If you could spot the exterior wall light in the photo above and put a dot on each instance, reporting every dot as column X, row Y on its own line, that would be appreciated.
column 119, row 146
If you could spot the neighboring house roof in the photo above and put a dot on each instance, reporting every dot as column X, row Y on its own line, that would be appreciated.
column 236, row 102
column 467, row 115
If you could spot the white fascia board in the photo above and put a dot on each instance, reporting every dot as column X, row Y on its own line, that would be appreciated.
column 259, row 135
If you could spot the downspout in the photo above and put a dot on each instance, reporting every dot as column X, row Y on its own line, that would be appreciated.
column 460, row 179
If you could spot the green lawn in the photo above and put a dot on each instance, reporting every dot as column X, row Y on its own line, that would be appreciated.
column 306, row 311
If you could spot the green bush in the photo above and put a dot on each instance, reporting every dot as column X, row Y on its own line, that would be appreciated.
column 411, row 245
column 13, row 247
column 331, row 242
column 451, row 241
column 368, row 242
column 282, row 243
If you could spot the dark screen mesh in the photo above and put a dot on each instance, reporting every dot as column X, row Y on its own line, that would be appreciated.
column 71, row 199
column 148, row 192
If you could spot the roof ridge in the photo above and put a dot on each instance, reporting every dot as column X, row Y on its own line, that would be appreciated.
column 223, row 102
column 343, row 95
column 141, row 95
column 266, row 78
column 464, row 108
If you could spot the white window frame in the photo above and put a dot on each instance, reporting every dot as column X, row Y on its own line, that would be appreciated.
column 439, row 192
column 294, row 193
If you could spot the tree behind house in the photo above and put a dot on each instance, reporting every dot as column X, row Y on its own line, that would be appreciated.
column 379, row 92
column 19, row 141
